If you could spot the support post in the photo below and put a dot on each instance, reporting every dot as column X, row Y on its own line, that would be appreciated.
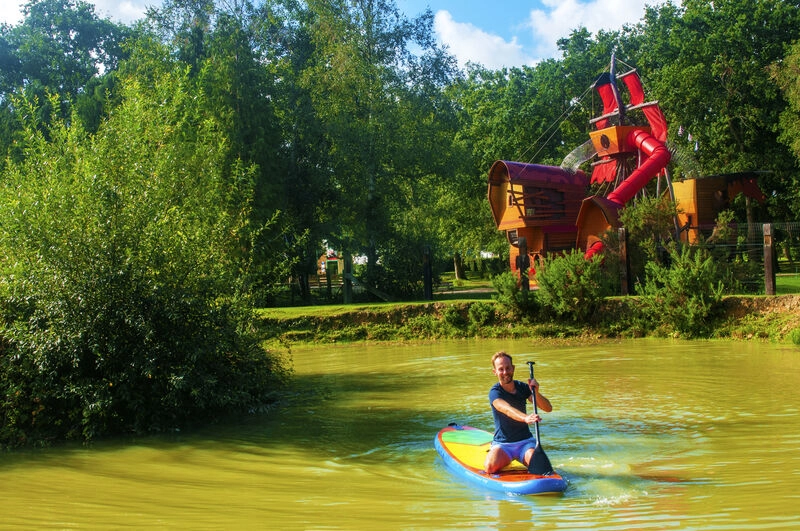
column 328, row 286
column 427, row 273
column 523, row 265
column 624, row 263
column 769, row 260
column 347, row 283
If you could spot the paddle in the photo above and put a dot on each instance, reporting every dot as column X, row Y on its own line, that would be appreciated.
column 539, row 463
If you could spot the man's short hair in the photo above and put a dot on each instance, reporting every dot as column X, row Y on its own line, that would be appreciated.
column 501, row 354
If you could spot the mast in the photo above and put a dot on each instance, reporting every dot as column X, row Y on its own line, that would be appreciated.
column 615, row 90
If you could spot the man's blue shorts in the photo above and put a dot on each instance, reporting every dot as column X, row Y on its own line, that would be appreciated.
column 516, row 450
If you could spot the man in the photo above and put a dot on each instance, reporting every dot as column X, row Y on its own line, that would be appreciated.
column 512, row 436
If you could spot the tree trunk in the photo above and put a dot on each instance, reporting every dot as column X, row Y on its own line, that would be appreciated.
column 302, row 284
column 458, row 265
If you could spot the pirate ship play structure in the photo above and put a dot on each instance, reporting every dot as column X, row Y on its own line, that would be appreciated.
column 544, row 209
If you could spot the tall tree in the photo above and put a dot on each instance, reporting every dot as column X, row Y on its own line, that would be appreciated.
column 221, row 47
column 707, row 64
column 787, row 74
column 283, row 39
column 358, row 84
column 60, row 47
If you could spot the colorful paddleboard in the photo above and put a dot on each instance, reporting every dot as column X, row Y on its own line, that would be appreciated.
column 463, row 449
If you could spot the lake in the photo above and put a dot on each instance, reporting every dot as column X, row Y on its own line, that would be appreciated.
column 651, row 434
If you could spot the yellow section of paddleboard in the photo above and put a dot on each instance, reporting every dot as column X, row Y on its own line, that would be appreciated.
column 469, row 447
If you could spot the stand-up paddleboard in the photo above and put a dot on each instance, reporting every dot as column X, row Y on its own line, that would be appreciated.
column 463, row 449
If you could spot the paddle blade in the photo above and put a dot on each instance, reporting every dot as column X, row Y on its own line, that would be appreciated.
column 540, row 463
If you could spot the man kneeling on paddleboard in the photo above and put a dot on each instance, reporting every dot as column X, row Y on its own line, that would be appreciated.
column 512, row 436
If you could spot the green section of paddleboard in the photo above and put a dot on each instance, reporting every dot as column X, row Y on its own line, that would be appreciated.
column 474, row 437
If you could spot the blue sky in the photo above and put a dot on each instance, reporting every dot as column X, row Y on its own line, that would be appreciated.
column 495, row 33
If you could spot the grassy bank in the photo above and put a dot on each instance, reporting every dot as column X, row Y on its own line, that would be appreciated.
column 467, row 310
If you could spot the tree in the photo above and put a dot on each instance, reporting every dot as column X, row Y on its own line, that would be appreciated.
column 124, row 296
column 361, row 80
column 787, row 75
column 302, row 184
column 61, row 47
column 707, row 63
column 224, row 48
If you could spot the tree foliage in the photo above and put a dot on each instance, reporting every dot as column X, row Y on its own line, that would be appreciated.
column 61, row 47
column 708, row 64
column 376, row 102
column 787, row 74
column 123, row 302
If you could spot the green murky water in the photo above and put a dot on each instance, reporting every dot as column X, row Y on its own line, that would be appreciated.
column 650, row 434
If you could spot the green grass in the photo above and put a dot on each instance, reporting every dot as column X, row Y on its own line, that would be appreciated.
column 787, row 284
column 326, row 310
column 469, row 289
column 471, row 282
column 463, row 290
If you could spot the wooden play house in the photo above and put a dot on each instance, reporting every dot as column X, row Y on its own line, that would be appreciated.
column 701, row 200
column 538, row 203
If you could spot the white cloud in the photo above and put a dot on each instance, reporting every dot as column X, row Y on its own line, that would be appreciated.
column 561, row 17
column 10, row 12
column 470, row 43
column 127, row 11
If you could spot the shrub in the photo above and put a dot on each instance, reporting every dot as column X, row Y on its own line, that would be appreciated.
column 121, row 257
column 684, row 294
column 481, row 314
column 509, row 293
column 453, row 317
column 743, row 273
column 572, row 286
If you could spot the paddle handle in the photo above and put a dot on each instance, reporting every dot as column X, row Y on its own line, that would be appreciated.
column 533, row 397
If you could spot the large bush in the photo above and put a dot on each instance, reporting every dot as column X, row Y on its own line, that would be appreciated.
column 572, row 287
column 511, row 295
column 121, row 259
column 683, row 295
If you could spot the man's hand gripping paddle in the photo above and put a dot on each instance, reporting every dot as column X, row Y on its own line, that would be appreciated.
column 540, row 463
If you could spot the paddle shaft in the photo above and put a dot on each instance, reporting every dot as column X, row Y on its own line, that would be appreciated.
column 539, row 463
column 535, row 408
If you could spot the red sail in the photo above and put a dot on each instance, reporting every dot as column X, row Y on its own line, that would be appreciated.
column 605, row 90
column 658, row 123
column 634, row 84
column 605, row 171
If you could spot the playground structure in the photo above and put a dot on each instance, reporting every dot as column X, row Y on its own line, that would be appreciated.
column 545, row 209
column 701, row 200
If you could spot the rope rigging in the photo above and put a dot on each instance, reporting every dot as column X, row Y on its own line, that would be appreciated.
column 553, row 127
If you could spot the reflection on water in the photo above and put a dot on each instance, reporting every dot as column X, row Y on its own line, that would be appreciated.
column 650, row 434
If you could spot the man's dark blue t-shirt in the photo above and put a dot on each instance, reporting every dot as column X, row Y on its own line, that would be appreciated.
column 506, row 429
